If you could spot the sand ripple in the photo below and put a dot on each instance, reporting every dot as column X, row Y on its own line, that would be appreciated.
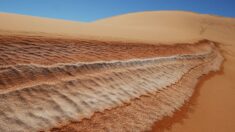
column 38, row 96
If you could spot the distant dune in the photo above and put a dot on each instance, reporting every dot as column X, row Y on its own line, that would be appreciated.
column 144, row 27
column 123, row 73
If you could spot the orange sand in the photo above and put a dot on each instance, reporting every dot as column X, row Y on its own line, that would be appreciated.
column 212, row 109
column 215, row 106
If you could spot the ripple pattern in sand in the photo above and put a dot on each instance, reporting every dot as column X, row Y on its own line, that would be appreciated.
column 35, row 96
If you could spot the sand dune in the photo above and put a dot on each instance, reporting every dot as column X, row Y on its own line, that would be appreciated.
column 117, row 74
column 44, row 96
column 146, row 27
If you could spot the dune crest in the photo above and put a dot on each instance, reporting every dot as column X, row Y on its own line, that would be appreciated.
column 146, row 27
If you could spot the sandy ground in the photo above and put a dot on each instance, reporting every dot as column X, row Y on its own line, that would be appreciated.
column 212, row 108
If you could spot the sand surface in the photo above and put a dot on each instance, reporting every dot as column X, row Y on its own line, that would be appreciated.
column 55, row 49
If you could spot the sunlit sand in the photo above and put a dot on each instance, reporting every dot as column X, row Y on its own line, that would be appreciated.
column 134, row 72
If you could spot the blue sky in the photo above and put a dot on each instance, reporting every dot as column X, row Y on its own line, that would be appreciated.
column 90, row 10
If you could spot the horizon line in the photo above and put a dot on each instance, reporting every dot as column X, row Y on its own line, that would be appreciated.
column 134, row 12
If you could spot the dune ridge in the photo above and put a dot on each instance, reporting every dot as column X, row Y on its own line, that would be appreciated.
column 140, row 114
column 64, row 71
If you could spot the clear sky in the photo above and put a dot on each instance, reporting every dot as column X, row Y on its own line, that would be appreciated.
column 90, row 10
